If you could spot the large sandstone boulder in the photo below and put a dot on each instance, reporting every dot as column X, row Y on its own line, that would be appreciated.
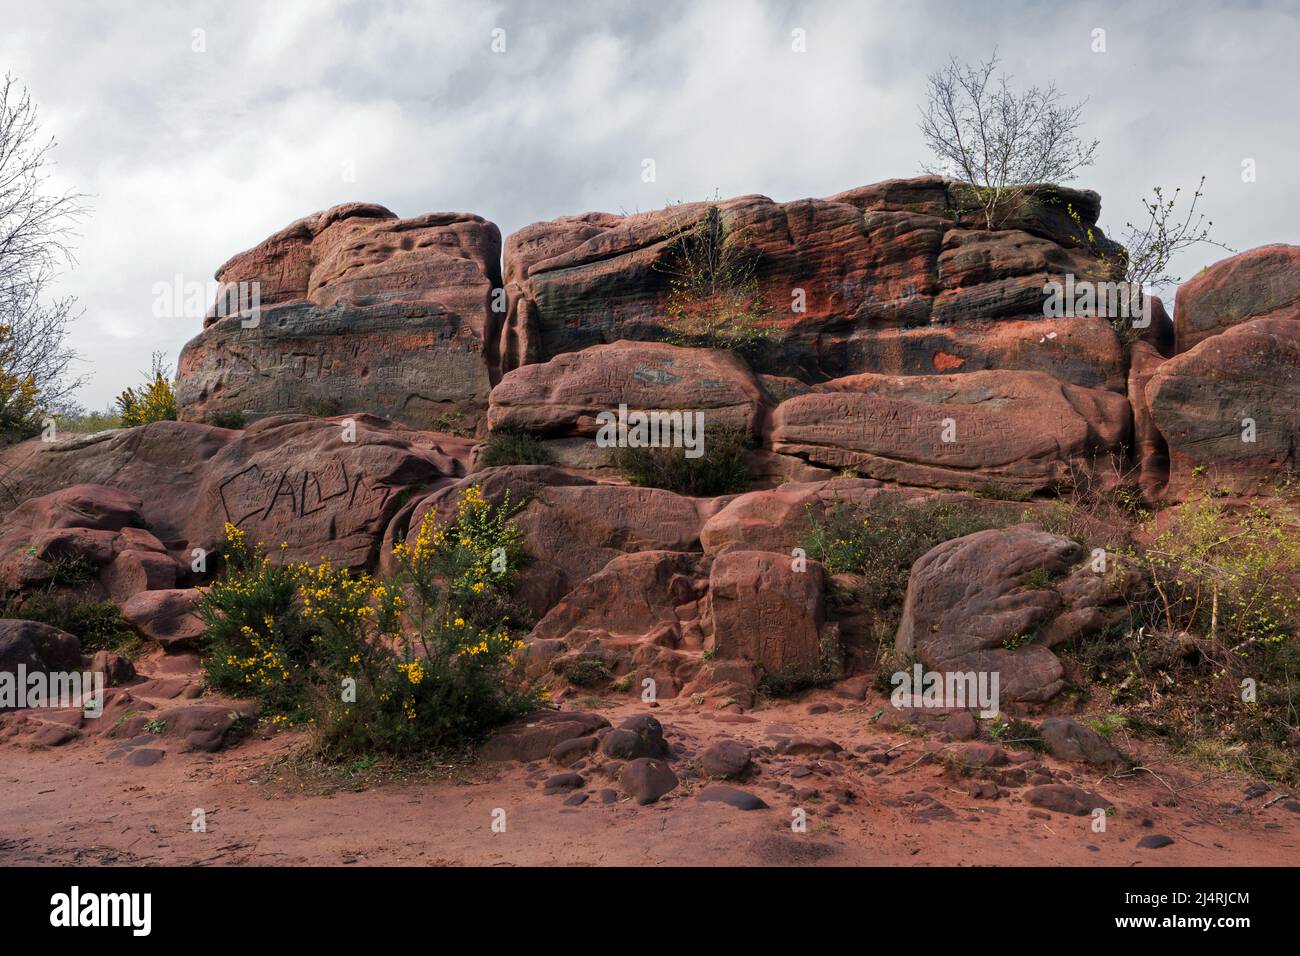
column 1209, row 402
column 638, row 617
column 326, row 488
column 832, row 271
column 1023, row 430
column 563, row 396
column 572, row 526
column 360, row 312
column 998, row 601
column 40, row 648
column 764, row 610
column 78, row 533
column 779, row 519
column 1259, row 283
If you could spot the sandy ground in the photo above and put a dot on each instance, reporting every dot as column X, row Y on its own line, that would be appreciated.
column 80, row 803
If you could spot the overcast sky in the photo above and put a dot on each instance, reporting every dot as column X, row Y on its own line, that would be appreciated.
column 193, row 156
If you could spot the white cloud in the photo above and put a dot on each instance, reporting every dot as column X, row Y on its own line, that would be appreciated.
column 193, row 157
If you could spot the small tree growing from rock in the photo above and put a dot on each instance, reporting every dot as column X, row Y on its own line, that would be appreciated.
column 714, row 298
column 1150, row 245
column 996, row 141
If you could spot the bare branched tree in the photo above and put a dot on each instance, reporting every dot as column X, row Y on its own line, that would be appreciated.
column 998, row 141
column 36, row 228
column 1151, row 245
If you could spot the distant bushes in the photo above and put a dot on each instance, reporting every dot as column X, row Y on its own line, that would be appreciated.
column 233, row 420
column 155, row 401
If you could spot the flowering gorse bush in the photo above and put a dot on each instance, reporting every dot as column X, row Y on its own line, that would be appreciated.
column 377, row 666
column 154, row 401
column 474, row 556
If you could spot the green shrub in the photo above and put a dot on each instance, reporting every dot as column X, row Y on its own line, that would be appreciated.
column 881, row 542
column 96, row 623
column 1037, row 579
column 232, row 420
column 789, row 683
column 1220, row 614
column 585, row 672
column 71, row 570
column 996, row 491
column 376, row 666
column 722, row 469
column 506, row 447
column 1016, row 733
column 321, row 407
column 714, row 296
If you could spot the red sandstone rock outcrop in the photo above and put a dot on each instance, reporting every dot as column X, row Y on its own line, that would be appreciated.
column 1231, row 407
column 1022, row 429
column 324, row 487
column 1255, row 284
column 836, row 274
column 360, row 312
column 998, row 601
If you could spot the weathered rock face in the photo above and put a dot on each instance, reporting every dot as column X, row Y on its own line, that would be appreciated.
column 563, row 396
column 765, row 611
column 778, row 519
column 635, row 619
column 572, row 526
column 1080, row 351
column 81, row 533
column 360, row 311
column 1232, row 406
column 1255, row 284
column 1149, row 445
column 893, row 255
column 1022, row 429
column 653, row 615
column 322, row 488
column 997, row 602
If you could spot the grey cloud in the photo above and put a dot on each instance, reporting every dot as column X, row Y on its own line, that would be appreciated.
column 192, row 157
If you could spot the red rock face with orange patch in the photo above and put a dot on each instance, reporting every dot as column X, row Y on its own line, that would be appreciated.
column 943, row 362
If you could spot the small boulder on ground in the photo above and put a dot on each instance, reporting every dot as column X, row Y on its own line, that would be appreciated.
column 725, row 759
column 1070, row 740
column 1064, row 798
column 645, row 779
column 732, row 798
column 638, row 736
column 537, row 735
